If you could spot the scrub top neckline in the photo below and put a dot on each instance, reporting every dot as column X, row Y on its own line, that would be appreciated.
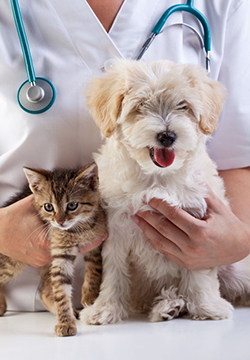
column 86, row 42
column 96, row 45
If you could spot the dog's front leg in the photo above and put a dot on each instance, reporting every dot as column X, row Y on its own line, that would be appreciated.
column 201, row 292
column 112, row 304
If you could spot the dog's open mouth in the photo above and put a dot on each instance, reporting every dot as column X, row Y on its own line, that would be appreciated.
column 161, row 157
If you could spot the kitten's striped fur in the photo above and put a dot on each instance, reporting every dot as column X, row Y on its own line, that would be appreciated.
column 68, row 230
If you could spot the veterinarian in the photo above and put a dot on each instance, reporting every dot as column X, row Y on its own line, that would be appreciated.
column 70, row 42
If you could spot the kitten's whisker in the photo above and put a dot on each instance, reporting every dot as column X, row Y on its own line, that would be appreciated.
column 36, row 215
column 44, row 234
column 43, row 227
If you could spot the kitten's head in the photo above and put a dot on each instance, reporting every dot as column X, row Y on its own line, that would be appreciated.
column 65, row 198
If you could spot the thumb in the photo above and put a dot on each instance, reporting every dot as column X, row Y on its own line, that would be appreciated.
column 214, row 203
column 92, row 245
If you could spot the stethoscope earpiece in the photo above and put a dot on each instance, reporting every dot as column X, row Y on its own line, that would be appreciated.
column 36, row 98
column 188, row 7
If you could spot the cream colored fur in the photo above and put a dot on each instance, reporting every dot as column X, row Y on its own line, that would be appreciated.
column 131, row 104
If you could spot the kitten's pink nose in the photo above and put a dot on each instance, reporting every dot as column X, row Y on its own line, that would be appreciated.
column 60, row 222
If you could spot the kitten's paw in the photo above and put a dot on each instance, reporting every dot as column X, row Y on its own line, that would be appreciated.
column 167, row 310
column 2, row 310
column 218, row 309
column 65, row 330
column 103, row 314
column 3, row 306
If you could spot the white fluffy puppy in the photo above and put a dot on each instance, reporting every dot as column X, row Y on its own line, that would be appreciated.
column 157, row 117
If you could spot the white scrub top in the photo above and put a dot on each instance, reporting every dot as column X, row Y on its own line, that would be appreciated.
column 69, row 45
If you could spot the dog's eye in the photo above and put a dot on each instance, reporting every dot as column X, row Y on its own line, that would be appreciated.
column 140, row 105
column 182, row 105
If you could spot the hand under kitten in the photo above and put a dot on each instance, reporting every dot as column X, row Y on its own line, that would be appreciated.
column 69, row 205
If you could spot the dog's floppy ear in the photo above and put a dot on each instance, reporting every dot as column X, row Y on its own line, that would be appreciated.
column 104, row 98
column 212, row 95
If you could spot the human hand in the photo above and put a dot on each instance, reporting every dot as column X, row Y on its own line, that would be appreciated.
column 92, row 245
column 220, row 239
column 23, row 236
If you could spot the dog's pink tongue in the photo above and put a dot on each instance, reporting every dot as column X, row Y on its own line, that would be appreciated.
column 164, row 157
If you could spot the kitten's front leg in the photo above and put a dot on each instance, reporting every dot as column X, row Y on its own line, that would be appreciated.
column 112, row 303
column 61, row 272
column 92, row 276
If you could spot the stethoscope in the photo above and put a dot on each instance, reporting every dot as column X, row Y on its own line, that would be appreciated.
column 37, row 94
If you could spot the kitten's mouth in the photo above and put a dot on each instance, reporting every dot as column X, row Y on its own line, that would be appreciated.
column 162, row 157
column 63, row 227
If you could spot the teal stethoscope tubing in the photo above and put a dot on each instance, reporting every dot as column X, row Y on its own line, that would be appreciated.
column 23, row 41
column 35, row 95
column 188, row 7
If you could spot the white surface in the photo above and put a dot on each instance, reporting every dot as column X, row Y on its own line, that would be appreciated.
column 30, row 336
column 68, row 46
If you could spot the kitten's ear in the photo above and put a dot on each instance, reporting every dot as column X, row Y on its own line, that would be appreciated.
column 88, row 176
column 35, row 178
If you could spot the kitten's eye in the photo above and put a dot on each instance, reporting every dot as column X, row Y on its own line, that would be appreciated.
column 48, row 207
column 72, row 206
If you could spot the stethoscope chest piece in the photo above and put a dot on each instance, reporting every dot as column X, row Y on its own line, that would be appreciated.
column 36, row 94
column 37, row 97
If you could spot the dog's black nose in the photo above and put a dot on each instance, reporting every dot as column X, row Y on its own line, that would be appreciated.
column 166, row 138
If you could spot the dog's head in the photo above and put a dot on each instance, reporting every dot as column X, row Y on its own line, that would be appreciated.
column 160, row 111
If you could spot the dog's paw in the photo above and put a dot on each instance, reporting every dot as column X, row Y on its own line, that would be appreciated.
column 65, row 330
column 167, row 310
column 218, row 309
column 103, row 314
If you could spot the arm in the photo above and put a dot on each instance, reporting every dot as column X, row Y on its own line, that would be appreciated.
column 237, row 183
column 222, row 238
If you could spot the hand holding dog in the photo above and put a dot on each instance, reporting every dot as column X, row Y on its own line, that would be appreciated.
column 220, row 239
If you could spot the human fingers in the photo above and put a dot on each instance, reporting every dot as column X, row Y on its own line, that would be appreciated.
column 177, row 216
column 33, row 259
column 159, row 241
column 214, row 203
column 38, row 252
column 187, row 257
column 164, row 227
column 18, row 236
column 92, row 245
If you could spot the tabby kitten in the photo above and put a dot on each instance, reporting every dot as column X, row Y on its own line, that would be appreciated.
column 68, row 202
